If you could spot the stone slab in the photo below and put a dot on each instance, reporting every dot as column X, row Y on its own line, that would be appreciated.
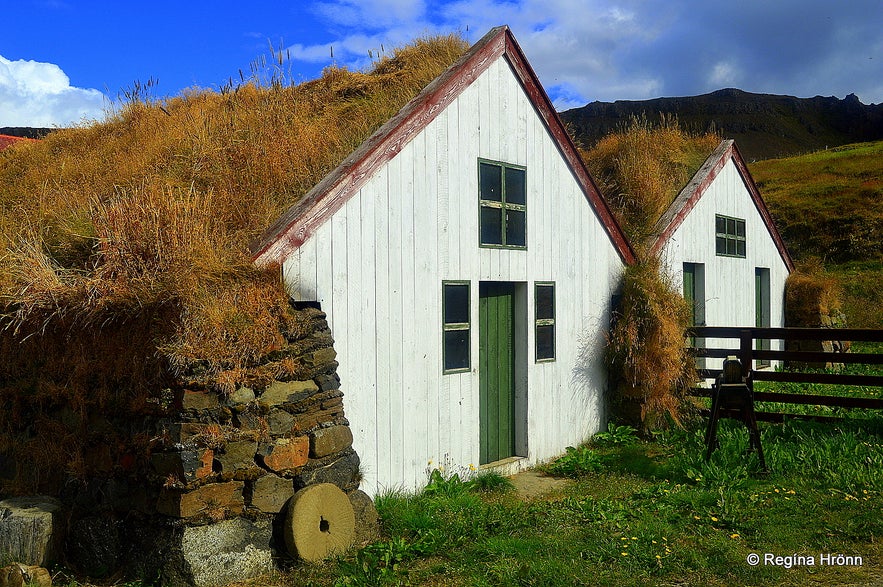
column 281, row 392
column 31, row 529
column 227, row 552
column 286, row 454
column 326, row 441
column 270, row 493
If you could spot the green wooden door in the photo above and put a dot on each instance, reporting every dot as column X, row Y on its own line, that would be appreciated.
column 762, row 309
column 690, row 296
column 496, row 315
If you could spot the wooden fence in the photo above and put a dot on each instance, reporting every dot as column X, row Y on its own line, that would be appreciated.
column 747, row 353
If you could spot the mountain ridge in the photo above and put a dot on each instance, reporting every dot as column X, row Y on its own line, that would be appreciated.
column 764, row 126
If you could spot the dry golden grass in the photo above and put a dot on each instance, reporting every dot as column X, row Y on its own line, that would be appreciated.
column 124, row 263
column 649, row 361
column 155, row 207
column 811, row 293
column 641, row 168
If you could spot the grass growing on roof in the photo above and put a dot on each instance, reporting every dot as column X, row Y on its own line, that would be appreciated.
column 640, row 169
column 642, row 166
column 155, row 206
column 124, row 261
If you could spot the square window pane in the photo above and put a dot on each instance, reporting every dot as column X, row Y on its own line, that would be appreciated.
column 456, row 349
column 721, row 245
column 720, row 224
column 515, row 228
column 491, row 179
column 740, row 248
column 516, row 191
column 491, row 226
column 545, row 342
column 456, row 303
column 740, row 228
column 545, row 302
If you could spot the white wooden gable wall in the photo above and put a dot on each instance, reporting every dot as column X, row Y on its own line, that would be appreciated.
column 377, row 269
column 729, row 281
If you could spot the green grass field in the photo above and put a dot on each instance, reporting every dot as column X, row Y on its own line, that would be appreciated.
column 829, row 205
column 647, row 513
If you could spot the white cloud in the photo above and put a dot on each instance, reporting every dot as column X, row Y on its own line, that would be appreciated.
column 606, row 50
column 40, row 95
column 724, row 74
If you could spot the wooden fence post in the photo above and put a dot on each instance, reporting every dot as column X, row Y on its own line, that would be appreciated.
column 746, row 343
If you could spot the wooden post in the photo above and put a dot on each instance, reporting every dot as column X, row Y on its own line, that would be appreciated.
column 746, row 342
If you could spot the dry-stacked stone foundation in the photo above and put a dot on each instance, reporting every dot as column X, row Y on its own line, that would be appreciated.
column 195, row 489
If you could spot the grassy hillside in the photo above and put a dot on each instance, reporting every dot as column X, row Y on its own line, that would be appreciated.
column 829, row 205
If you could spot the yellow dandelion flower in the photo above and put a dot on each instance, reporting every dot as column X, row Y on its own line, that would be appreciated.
column 696, row 518
column 634, row 537
column 624, row 553
column 623, row 538
column 734, row 536
column 659, row 557
column 713, row 519
column 653, row 541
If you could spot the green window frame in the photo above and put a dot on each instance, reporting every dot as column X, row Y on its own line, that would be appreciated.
column 456, row 326
column 502, row 205
column 729, row 236
column 544, row 322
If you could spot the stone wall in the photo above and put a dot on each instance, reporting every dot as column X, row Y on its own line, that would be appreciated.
column 193, row 489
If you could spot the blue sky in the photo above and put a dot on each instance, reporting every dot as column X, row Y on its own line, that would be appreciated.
column 65, row 61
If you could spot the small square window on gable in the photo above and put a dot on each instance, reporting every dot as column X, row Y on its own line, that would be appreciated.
column 502, row 200
column 729, row 236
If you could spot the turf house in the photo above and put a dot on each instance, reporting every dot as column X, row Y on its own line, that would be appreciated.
column 466, row 262
column 171, row 408
column 718, row 239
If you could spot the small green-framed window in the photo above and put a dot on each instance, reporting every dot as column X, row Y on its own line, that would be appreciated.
column 502, row 205
column 544, row 318
column 729, row 236
column 455, row 318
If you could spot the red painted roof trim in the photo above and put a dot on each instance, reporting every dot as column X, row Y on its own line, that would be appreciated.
column 674, row 216
column 296, row 225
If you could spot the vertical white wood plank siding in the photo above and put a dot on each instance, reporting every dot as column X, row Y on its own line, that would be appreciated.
column 427, row 292
column 395, row 357
column 378, row 265
column 348, row 271
column 381, row 467
column 412, row 432
column 729, row 282
column 466, row 175
column 324, row 278
column 443, row 145
column 367, row 316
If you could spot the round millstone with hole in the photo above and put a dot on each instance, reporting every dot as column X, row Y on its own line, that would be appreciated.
column 320, row 522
